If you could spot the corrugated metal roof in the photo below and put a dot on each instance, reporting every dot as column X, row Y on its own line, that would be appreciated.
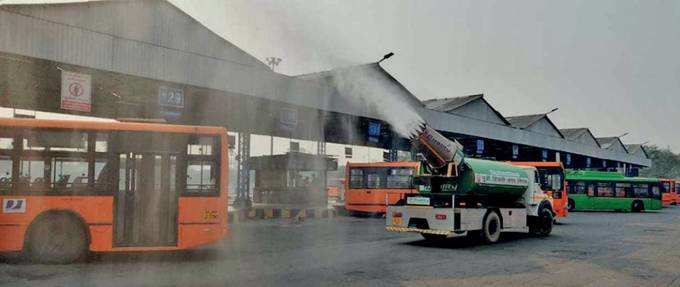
column 572, row 134
column 524, row 121
column 636, row 148
column 450, row 104
column 608, row 142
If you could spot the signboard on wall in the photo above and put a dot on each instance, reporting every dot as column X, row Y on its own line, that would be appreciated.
column 288, row 119
column 171, row 101
column 480, row 146
column 170, row 97
column 76, row 92
column 374, row 132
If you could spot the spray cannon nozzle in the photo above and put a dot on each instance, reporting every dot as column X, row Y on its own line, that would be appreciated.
column 417, row 131
column 438, row 150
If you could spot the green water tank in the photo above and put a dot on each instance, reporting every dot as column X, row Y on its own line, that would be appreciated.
column 488, row 179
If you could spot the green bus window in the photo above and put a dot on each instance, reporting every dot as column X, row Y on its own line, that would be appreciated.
column 578, row 187
column 591, row 189
column 604, row 189
column 641, row 190
column 655, row 191
column 622, row 189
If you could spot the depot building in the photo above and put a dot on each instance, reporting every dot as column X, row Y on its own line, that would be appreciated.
column 152, row 60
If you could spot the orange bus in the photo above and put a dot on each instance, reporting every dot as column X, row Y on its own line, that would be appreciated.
column 69, row 187
column 668, row 192
column 677, row 192
column 368, row 186
column 552, row 181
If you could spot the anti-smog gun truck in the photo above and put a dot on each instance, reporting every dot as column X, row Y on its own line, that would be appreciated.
column 465, row 196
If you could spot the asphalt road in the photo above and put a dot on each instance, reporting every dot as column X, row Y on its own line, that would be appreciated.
column 587, row 249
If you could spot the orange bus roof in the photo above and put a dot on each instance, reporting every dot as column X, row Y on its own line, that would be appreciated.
column 112, row 125
column 385, row 164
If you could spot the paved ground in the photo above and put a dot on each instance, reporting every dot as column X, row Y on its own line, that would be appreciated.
column 588, row 249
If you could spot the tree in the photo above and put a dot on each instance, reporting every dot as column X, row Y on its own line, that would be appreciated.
column 665, row 163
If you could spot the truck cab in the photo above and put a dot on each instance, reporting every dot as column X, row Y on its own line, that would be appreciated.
column 551, row 179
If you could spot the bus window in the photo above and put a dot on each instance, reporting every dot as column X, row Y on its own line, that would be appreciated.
column 69, row 174
column 202, row 173
column 55, row 141
column 578, row 187
column 6, row 161
column 103, row 168
column 622, row 189
column 641, row 190
column 374, row 180
column 655, row 191
column 591, row 189
column 356, row 178
column 6, row 141
column 31, row 172
column 604, row 189
column 399, row 177
column 5, row 173
column 665, row 187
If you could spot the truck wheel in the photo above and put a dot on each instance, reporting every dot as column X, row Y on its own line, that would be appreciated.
column 570, row 205
column 542, row 225
column 56, row 239
column 637, row 206
column 433, row 237
column 491, row 228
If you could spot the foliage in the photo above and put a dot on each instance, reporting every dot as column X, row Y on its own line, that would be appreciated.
column 665, row 163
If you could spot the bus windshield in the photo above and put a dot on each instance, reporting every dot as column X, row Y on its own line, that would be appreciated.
column 665, row 187
column 551, row 178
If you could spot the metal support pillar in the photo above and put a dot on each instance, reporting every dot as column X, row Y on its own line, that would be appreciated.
column 321, row 151
column 321, row 147
column 393, row 154
column 243, row 179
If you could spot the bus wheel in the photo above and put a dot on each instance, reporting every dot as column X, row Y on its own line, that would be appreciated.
column 542, row 226
column 56, row 239
column 433, row 237
column 491, row 228
column 637, row 206
column 570, row 205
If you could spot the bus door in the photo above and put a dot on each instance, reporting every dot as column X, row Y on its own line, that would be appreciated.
column 146, row 199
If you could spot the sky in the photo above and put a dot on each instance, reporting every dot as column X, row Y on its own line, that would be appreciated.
column 612, row 66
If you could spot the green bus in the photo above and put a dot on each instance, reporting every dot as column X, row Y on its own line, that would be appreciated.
column 611, row 191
